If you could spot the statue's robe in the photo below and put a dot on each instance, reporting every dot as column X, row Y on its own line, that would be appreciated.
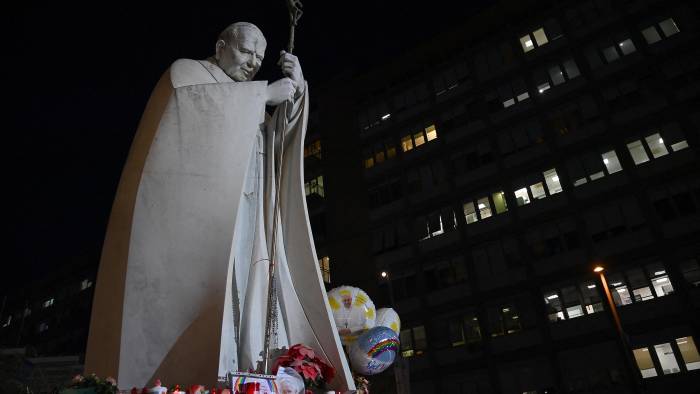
column 182, row 287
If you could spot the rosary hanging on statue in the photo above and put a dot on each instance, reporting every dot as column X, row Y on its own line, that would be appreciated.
column 271, row 323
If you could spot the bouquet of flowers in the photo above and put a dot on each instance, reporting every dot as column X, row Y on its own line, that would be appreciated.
column 92, row 381
column 315, row 372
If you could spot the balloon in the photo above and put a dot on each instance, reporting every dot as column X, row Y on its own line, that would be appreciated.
column 353, row 312
column 374, row 351
column 387, row 317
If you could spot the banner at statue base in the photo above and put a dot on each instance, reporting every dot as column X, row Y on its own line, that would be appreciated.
column 242, row 382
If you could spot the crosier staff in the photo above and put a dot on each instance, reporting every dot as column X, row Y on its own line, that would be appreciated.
column 295, row 12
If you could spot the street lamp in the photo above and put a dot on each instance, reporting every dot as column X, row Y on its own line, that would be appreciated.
column 401, row 371
column 631, row 366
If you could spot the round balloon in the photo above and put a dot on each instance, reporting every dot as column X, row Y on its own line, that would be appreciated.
column 374, row 351
column 387, row 317
column 353, row 311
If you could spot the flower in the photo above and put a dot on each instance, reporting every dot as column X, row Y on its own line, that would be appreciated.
column 315, row 372
column 78, row 378
column 111, row 381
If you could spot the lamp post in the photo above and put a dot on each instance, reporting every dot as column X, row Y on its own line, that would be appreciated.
column 632, row 371
column 401, row 372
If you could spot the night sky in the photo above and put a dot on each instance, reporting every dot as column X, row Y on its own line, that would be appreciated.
column 80, row 77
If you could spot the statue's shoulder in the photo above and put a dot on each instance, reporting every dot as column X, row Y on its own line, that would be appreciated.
column 186, row 72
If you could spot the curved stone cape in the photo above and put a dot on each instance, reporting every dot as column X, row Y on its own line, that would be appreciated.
column 172, row 280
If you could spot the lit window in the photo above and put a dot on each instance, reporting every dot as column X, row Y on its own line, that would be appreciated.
column 689, row 352
column 523, row 96
column 679, row 146
column 7, row 321
column 431, row 132
column 667, row 359
column 656, row 145
column 508, row 103
column 413, row 341
column 626, row 46
column 313, row 149
column 386, row 116
column 537, row 191
column 470, row 213
column 552, row 180
column 669, row 27
column 540, row 37
column 644, row 362
column 620, row 293
column 315, row 186
column 86, row 283
column 612, row 163
column 499, row 202
column 406, row 143
column 554, row 308
column 521, row 197
column 543, row 87
column 639, row 155
column 526, row 43
column 662, row 284
column 369, row 163
column 324, row 264
column 419, row 139
column 48, row 303
column 610, row 54
column 651, row 35
column 484, row 208
column 505, row 320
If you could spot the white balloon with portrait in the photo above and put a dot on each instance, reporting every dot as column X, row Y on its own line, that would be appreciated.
column 353, row 312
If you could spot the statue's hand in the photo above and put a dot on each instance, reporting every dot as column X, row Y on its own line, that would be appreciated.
column 292, row 69
column 280, row 91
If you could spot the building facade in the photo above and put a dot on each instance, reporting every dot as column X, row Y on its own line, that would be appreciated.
column 498, row 165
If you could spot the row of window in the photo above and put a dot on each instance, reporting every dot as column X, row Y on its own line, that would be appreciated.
column 667, row 358
column 499, row 56
column 385, row 151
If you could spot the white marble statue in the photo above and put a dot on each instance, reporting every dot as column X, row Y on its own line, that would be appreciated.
column 182, row 285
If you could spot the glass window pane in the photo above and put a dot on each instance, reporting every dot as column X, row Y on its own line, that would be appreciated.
column 499, row 202
column 538, row 191
column 456, row 333
column 472, row 329
column 543, row 87
column 523, row 96
column 508, row 103
column 521, row 197
column 668, row 26
column 651, row 35
column 662, row 285
column 431, row 132
column 484, row 207
column 619, row 291
column 369, row 163
column 689, row 352
column 572, row 302
column 379, row 157
column 419, row 139
column 639, row 155
column 591, row 298
column 390, row 152
column 556, row 75
column 406, row 143
column 470, row 213
column 571, row 69
column 541, row 38
column 526, row 43
column 667, row 359
column 644, row 363
column 679, row 146
column 553, row 304
column 612, row 163
column 656, row 145
column 626, row 46
column 552, row 180
column 610, row 54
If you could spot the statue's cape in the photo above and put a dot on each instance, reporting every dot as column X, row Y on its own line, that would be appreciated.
column 168, row 245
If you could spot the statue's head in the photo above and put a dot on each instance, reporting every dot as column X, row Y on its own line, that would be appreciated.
column 240, row 51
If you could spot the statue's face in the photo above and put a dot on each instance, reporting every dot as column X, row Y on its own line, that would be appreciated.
column 241, row 60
